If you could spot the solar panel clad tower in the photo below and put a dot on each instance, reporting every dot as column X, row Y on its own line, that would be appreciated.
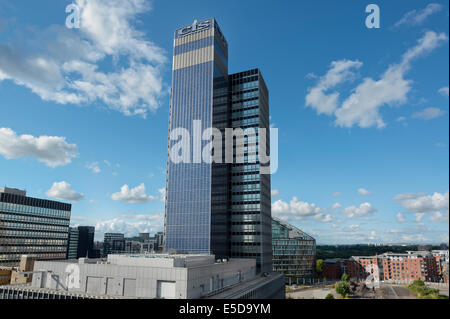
column 200, row 66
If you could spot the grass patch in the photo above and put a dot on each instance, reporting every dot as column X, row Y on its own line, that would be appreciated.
column 421, row 291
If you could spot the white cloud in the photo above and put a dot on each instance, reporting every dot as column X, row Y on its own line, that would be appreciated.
column 162, row 194
column 340, row 71
column 364, row 192
column 336, row 206
column 363, row 210
column 134, row 195
column 428, row 113
column 439, row 217
column 107, row 163
column 353, row 227
column 324, row 218
column 336, row 194
column 444, row 91
column 416, row 17
column 362, row 107
column 424, row 204
column 275, row 193
column 138, row 224
column 401, row 218
column 296, row 209
column 63, row 191
column 65, row 66
column 52, row 150
column 93, row 167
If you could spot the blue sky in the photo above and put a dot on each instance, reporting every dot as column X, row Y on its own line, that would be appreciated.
column 362, row 113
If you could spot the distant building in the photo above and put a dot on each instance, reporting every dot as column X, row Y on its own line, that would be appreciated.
column 144, row 236
column 333, row 269
column 149, row 276
column 114, row 243
column 425, row 247
column 32, row 226
column 294, row 251
column 72, row 244
column 159, row 237
column 86, row 236
column 399, row 266
column 442, row 263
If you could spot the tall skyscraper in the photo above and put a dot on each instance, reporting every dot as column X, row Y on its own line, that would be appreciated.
column 220, row 208
column 33, row 226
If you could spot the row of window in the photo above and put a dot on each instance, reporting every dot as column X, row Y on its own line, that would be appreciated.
column 31, row 249
column 33, row 219
column 33, row 234
column 16, row 208
column 39, row 227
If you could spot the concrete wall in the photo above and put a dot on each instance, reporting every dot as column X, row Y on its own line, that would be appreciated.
column 142, row 281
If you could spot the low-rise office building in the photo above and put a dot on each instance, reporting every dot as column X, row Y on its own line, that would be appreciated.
column 294, row 251
column 31, row 226
column 149, row 276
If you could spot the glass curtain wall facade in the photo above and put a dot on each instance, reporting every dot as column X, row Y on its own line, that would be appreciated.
column 72, row 246
column 294, row 251
column 218, row 208
column 200, row 65
column 32, row 226
column 86, row 241
column 250, row 202
column 113, row 243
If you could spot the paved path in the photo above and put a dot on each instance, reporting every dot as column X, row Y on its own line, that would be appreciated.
column 317, row 293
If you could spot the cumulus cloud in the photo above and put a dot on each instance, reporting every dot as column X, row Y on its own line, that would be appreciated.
column 93, row 167
column 67, row 65
column 439, row 217
column 135, row 195
column 340, row 72
column 336, row 206
column 401, row 218
column 444, row 91
column 417, row 17
column 362, row 210
column 297, row 210
column 362, row 107
column 63, row 191
column 131, row 226
column 52, row 150
column 428, row 113
column 353, row 227
column 275, row 193
column 424, row 204
column 364, row 192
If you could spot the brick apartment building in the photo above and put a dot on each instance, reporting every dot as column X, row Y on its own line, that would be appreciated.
column 424, row 265
column 334, row 268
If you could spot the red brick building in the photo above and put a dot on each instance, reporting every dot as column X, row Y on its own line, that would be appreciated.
column 391, row 266
column 333, row 268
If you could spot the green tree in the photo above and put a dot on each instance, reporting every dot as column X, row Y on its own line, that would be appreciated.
column 329, row 296
column 345, row 277
column 319, row 266
column 343, row 288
